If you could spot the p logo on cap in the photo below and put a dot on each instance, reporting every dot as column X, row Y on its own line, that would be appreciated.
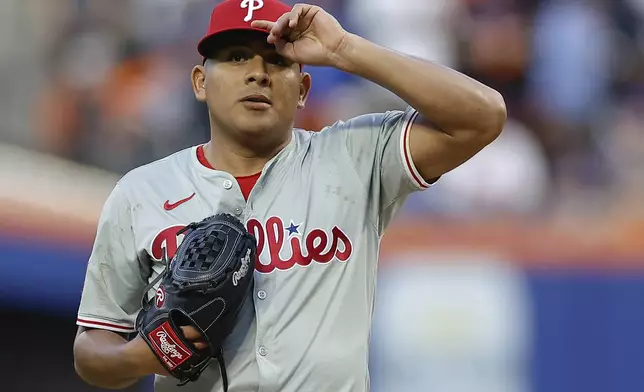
column 252, row 5
column 232, row 15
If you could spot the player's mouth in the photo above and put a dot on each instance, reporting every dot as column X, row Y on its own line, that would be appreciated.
column 257, row 102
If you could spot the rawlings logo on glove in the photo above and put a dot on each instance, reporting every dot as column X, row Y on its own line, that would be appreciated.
column 167, row 346
column 243, row 270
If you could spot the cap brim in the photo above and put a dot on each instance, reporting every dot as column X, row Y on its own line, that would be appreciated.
column 209, row 44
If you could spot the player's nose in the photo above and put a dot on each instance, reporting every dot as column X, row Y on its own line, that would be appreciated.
column 257, row 72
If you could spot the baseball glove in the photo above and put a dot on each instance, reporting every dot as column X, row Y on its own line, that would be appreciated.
column 203, row 286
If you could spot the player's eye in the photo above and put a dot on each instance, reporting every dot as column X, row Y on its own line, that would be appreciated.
column 238, row 56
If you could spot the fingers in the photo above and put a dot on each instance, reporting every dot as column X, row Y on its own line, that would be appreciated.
column 281, row 28
column 262, row 24
column 294, row 17
column 272, row 27
column 200, row 345
column 279, row 45
column 191, row 334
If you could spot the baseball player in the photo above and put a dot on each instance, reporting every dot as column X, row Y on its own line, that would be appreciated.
column 317, row 203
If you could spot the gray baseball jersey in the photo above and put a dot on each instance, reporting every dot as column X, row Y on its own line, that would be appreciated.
column 318, row 211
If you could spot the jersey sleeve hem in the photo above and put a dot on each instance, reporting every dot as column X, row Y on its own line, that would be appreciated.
column 103, row 323
column 410, row 168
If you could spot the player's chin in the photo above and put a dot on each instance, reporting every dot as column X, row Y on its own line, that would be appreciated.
column 257, row 123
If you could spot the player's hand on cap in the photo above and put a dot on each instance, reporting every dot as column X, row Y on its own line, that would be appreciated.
column 306, row 35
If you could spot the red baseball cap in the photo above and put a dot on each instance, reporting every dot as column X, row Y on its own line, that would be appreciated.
column 231, row 15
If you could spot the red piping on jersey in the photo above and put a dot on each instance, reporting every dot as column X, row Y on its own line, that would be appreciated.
column 246, row 183
column 252, row 176
column 407, row 153
column 99, row 324
column 201, row 157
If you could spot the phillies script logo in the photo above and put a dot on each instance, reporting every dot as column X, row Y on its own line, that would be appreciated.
column 273, row 241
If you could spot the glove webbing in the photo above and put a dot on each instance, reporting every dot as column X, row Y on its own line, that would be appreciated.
column 165, row 260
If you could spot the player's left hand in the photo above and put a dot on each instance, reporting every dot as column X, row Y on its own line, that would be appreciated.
column 306, row 35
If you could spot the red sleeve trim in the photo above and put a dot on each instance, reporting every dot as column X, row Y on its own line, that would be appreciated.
column 411, row 170
column 84, row 322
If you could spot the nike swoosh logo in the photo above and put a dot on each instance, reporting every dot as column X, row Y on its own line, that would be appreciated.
column 171, row 206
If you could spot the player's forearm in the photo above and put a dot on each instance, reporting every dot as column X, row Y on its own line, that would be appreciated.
column 106, row 360
column 448, row 98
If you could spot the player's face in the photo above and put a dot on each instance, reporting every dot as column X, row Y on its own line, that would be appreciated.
column 250, row 88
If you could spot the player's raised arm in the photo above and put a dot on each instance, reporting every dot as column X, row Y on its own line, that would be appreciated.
column 451, row 116
column 458, row 116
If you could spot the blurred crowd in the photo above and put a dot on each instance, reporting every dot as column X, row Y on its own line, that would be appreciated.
column 107, row 83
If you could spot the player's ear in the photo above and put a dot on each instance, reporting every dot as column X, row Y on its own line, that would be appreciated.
column 305, row 88
column 198, row 77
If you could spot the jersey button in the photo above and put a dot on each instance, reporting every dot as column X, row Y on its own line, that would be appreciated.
column 262, row 351
column 238, row 211
column 261, row 294
column 228, row 184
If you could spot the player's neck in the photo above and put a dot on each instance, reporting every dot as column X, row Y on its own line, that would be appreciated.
column 238, row 160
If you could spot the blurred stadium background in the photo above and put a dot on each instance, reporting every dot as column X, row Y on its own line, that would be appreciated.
column 521, row 271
